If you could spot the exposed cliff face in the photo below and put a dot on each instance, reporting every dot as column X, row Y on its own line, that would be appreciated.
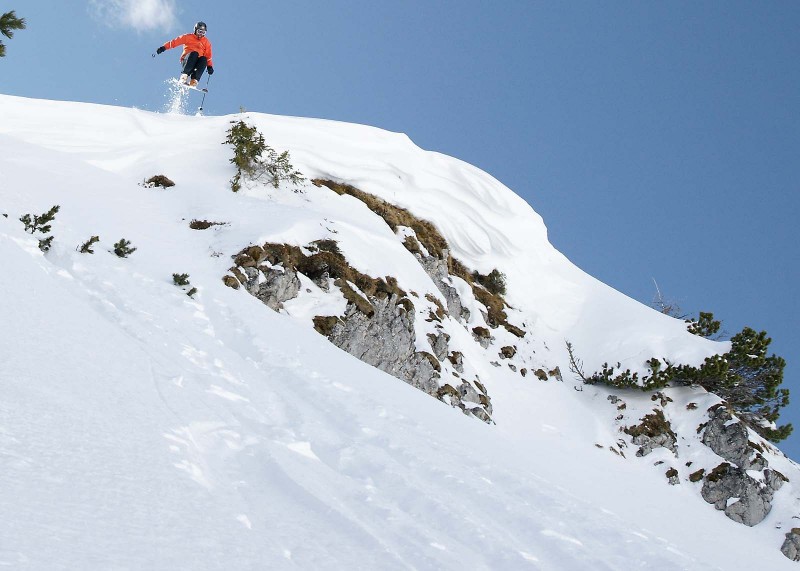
column 386, row 340
column 730, row 487
column 743, row 498
column 378, row 325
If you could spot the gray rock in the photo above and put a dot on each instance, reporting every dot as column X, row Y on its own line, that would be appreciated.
column 653, row 432
column 731, row 441
column 481, row 414
column 791, row 546
column 753, row 498
column 278, row 285
column 386, row 341
column 457, row 359
column 466, row 393
column 673, row 477
column 482, row 336
column 436, row 268
column 647, row 443
column 439, row 344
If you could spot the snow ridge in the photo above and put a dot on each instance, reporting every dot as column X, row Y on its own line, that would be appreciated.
column 143, row 428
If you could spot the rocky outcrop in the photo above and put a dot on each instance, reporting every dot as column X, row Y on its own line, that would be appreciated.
column 729, row 486
column 386, row 340
column 743, row 498
column 653, row 432
column 791, row 546
column 378, row 324
column 272, row 286
column 469, row 399
column 440, row 343
column 731, row 441
column 436, row 268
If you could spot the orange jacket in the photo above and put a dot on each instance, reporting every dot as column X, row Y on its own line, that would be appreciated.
column 191, row 43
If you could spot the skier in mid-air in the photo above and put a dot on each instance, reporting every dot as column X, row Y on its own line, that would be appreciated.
column 196, row 54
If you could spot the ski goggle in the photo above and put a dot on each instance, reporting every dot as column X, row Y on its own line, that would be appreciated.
column 200, row 31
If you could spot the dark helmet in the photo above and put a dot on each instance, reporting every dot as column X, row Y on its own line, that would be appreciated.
column 200, row 26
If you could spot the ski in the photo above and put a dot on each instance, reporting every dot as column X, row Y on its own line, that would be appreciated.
column 203, row 89
column 187, row 86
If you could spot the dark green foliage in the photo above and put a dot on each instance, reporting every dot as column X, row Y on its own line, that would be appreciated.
column 656, row 378
column 182, row 280
column 41, row 224
column 745, row 377
column 495, row 282
column 748, row 379
column 255, row 160
column 46, row 243
column 86, row 247
column 123, row 249
column 704, row 326
column 8, row 23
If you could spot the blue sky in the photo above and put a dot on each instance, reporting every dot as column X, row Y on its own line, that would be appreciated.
column 659, row 140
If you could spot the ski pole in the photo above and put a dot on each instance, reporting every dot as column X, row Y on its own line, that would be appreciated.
column 208, row 80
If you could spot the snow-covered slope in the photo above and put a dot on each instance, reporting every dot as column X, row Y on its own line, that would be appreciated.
column 144, row 429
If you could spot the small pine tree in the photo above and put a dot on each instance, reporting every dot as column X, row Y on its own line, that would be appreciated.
column 494, row 282
column 41, row 223
column 123, row 249
column 86, row 247
column 704, row 326
column 182, row 280
column 249, row 150
column 8, row 23
column 46, row 243
column 750, row 383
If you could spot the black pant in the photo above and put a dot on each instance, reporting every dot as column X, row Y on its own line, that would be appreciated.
column 194, row 66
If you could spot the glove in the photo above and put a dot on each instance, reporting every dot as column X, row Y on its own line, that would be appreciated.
column 161, row 50
column 210, row 70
